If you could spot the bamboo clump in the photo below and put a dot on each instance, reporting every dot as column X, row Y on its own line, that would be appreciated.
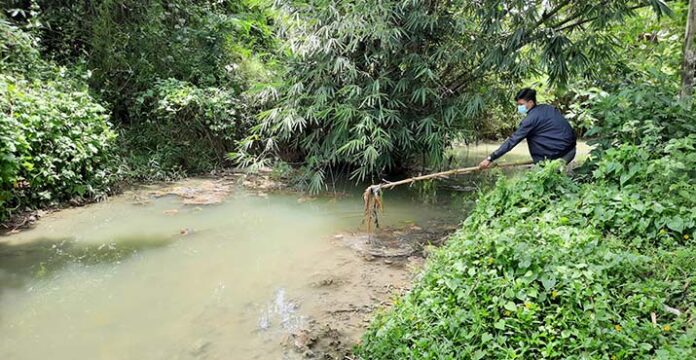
column 372, row 197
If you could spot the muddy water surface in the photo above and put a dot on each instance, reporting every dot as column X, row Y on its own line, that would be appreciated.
column 157, row 274
column 147, row 277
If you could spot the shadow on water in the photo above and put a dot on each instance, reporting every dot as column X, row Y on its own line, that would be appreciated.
column 40, row 258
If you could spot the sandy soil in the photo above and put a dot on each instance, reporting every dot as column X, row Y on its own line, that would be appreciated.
column 342, row 300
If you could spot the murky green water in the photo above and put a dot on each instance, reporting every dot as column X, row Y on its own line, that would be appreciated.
column 117, row 280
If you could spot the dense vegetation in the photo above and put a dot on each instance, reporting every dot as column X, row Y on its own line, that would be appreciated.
column 167, row 76
column 334, row 88
column 172, row 72
column 600, row 265
column 56, row 142
column 373, row 86
column 591, row 267
column 548, row 267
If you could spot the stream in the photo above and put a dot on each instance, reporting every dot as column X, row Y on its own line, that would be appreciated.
column 152, row 274
column 149, row 277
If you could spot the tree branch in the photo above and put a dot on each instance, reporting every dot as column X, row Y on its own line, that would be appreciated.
column 546, row 16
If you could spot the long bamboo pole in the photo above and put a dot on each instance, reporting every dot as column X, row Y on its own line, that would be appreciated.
column 443, row 174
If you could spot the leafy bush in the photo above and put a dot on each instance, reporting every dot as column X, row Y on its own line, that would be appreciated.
column 645, row 195
column 171, row 72
column 131, row 44
column 547, row 268
column 57, row 144
column 372, row 86
column 642, row 113
column 184, row 129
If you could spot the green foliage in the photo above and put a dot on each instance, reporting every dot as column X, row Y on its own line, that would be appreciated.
column 130, row 44
column 642, row 113
column 133, row 44
column 372, row 85
column 648, row 56
column 18, row 51
column 185, row 129
column 640, row 214
column 546, row 268
column 172, row 72
column 56, row 144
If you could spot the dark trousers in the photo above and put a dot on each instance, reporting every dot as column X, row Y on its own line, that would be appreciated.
column 569, row 156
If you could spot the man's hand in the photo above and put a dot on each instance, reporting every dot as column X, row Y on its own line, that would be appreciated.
column 485, row 164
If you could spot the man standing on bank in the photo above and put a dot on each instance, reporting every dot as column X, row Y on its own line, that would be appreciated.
column 548, row 133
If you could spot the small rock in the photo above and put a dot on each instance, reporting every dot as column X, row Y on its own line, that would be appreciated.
column 338, row 237
column 171, row 212
column 185, row 231
column 326, row 282
column 303, row 340
column 200, row 347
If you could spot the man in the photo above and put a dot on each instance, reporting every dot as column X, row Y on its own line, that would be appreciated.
column 548, row 133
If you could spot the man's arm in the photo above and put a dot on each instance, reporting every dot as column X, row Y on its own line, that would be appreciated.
column 522, row 132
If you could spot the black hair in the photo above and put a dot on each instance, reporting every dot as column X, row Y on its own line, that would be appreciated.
column 526, row 94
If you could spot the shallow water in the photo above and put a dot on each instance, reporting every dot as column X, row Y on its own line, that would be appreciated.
column 157, row 279
column 118, row 280
column 472, row 155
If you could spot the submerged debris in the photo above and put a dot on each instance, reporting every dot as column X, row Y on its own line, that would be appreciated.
column 397, row 242
column 373, row 206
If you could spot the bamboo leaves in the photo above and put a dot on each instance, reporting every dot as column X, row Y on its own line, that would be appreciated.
column 388, row 82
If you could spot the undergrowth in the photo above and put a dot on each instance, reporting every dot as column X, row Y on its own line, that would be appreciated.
column 548, row 267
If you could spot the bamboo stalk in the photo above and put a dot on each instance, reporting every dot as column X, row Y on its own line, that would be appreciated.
column 442, row 174
column 373, row 199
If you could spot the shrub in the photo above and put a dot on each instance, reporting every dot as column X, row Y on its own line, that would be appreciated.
column 547, row 268
column 18, row 51
column 184, row 129
column 57, row 144
column 643, row 113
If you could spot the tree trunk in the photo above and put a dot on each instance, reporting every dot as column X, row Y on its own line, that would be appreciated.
column 689, row 65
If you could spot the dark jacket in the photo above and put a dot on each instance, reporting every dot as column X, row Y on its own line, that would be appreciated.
column 548, row 134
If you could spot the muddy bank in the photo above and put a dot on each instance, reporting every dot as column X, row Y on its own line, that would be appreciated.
column 374, row 270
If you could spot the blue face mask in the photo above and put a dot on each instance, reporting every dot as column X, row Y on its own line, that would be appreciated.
column 521, row 109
